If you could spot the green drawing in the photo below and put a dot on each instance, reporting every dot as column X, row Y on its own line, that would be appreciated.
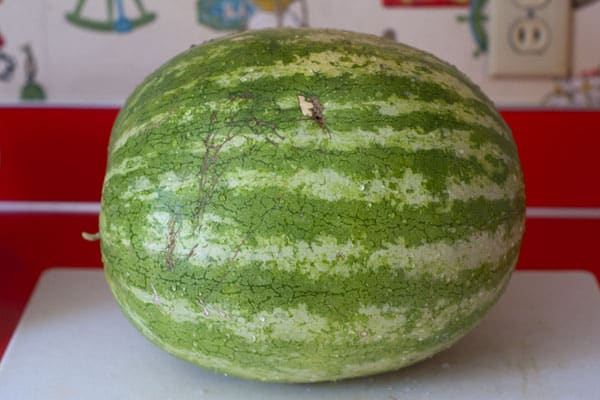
column 31, row 90
column 117, row 23
column 476, row 20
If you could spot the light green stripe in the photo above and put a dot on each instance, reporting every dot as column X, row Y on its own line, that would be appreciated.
column 140, row 128
column 296, row 323
column 397, row 107
column 126, row 166
column 332, row 185
column 325, row 256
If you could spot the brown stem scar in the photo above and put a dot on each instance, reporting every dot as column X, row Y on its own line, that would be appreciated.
column 306, row 106
column 311, row 107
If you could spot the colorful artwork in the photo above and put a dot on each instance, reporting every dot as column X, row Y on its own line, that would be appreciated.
column 582, row 90
column 112, row 22
column 225, row 15
column 251, row 14
column 31, row 89
column 428, row 3
column 476, row 20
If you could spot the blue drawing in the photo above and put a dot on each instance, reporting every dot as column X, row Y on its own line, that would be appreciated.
column 225, row 14
column 122, row 24
column 119, row 23
column 476, row 20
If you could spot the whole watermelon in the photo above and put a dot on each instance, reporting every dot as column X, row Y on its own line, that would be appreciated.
column 309, row 205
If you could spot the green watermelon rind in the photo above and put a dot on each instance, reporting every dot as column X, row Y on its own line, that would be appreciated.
column 252, row 238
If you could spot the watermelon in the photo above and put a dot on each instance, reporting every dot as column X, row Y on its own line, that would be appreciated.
column 308, row 205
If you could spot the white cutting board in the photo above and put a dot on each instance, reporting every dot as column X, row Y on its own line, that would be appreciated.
column 541, row 341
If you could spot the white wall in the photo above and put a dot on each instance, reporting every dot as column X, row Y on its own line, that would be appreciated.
column 76, row 65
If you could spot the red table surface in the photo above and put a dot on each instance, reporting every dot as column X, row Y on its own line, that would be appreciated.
column 59, row 154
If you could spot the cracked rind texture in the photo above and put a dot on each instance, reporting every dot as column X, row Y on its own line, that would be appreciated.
column 245, row 235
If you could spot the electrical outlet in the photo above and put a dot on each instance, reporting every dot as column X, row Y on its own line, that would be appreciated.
column 529, row 38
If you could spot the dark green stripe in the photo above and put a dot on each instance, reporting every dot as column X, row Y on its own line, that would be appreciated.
column 269, row 212
column 369, row 119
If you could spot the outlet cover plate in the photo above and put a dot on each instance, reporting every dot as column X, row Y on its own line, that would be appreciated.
column 529, row 38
